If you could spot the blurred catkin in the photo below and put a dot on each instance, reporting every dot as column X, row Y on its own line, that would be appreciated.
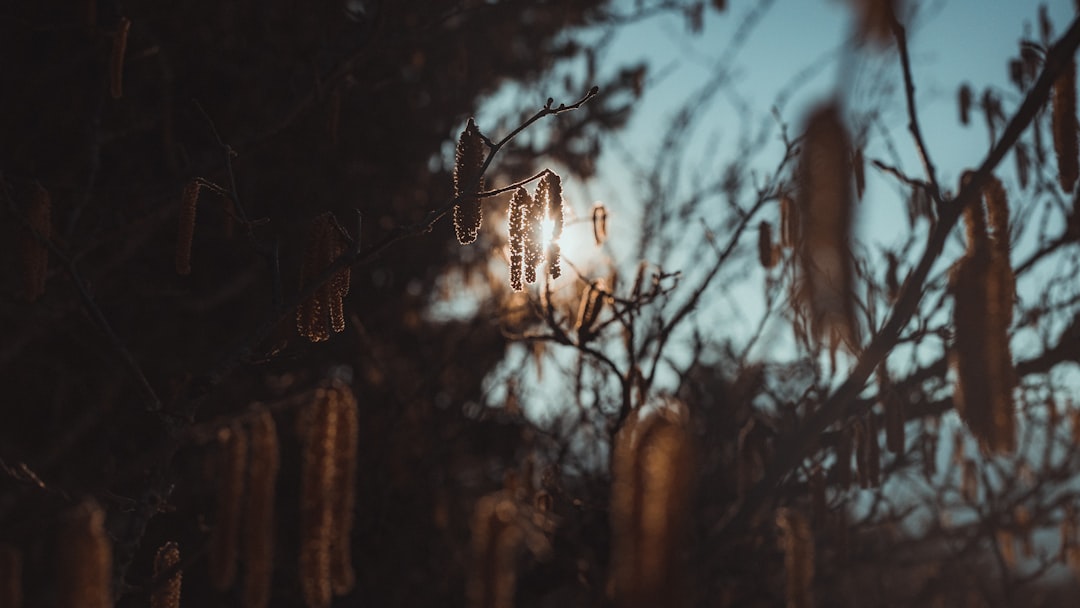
column 231, row 466
column 496, row 542
column 651, row 487
column 324, row 311
column 983, row 289
column 166, row 594
column 317, row 500
column 344, row 497
column 767, row 253
column 797, row 543
column 826, row 288
column 599, row 223
column 259, row 521
column 86, row 565
column 116, row 59
column 10, row 576
column 592, row 303
column 185, row 228
column 35, row 254
column 468, row 164
column 1064, row 126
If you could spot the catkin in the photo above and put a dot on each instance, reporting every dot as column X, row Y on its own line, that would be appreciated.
column 317, row 501
column 858, row 166
column 496, row 541
column 520, row 203
column 35, row 254
column 767, row 254
column 534, row 237
column 116, row 60
column 1064, row 126
column 324, row 311
column 166, row 594
column 652, row 475
column 983, row 289
column 797, row 543
column 86, row 565
column 185, row 231
column 599, row 223
column 842, row 466
column 1023, row 165
column 231, row 461
column 964, row 99
column 344, row 499
column 592, row 303
column 895, row 416
column 10, row 576
column 259, row 522
column 468, row 164
column 827, row 285
column 550, row 197
column 789, row 222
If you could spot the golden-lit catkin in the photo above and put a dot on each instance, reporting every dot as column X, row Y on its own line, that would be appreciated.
column 652, row 477
column 468, row 167
column 185, row 228
column 166, row 593
column 1064, row 126
column 592, row 303
column 10, row 576
column 982, row 286
column 231, row 466
column 324, row 311
column 797, row 542
column 599, row 223
column 549, row 195
column 520, row 203
column 344, row 499
column 86, row 565
column 317, row 500
column 496, row 541
column 534, row 237
column 825, row 200
column 259, row 513
column 35, row 254
column 116, row 59
column 963, row 101
column 767, row 253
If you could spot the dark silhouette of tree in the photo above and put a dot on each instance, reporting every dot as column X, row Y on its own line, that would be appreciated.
column 228, row 225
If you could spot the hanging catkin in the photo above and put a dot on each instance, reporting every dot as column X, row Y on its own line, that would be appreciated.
column 827, row 278
column 231, row 465
column 116, row 59
column 324, row 311
column 86, row 564
column 317, row 498
column 550, row 198
column 797, row 543
column 166, row 594
column 259, row 522
column 468, row 164
column 344, row 499
column 534, row 237
column 963, row 100
column 982, row 286
column 10, row 576
column 599, row 223
column 35, row 254
column 496, row 541
column 1064, row 126
column 652, row 475
column 185, row 230
column 592, row 303
column 767, row 253
column 520, row 203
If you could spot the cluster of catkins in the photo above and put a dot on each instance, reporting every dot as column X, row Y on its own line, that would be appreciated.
column 527, row 214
